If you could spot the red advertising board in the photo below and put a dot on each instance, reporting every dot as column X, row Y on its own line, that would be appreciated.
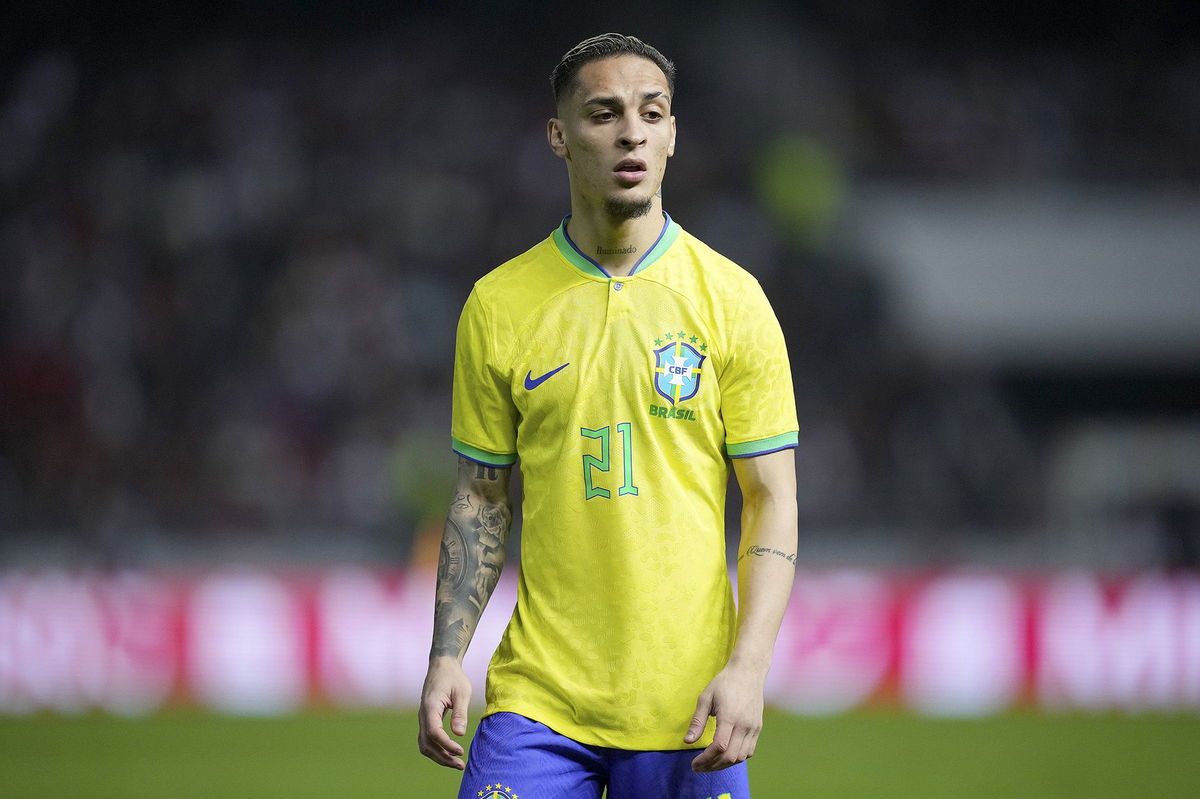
column 250, row 641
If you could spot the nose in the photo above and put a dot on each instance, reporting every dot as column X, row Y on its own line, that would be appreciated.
column 633, row 134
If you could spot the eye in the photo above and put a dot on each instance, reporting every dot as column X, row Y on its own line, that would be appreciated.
column 654, row 116
column 603, row 116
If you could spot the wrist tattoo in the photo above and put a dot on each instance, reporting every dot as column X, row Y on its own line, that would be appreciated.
column 754, row 549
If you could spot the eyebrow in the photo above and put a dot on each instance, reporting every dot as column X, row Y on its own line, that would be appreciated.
column 615, row 102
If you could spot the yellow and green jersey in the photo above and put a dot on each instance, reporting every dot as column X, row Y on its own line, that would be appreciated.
column 623, row 397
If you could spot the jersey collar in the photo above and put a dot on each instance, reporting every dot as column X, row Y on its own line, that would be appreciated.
column 574, row 255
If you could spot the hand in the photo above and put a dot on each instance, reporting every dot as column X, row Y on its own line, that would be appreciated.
column 446, row 688
column 735, row 697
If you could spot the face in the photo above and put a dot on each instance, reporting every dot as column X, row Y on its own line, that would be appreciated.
column 616, row 132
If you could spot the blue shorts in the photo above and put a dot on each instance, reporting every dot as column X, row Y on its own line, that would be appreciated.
column 513, row 757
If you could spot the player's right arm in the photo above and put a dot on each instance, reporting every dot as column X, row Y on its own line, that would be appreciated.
column 472, row 556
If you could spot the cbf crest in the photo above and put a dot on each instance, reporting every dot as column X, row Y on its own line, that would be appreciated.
column 678, row 367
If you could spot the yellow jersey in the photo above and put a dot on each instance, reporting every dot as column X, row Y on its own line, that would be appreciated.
column 623, row 397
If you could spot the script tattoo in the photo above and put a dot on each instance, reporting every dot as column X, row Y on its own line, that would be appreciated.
column 472, row 554
column 630, row 250
column 754, row 549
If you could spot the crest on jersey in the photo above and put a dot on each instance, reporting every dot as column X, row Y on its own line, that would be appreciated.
column 677, row 370
column 497, row 791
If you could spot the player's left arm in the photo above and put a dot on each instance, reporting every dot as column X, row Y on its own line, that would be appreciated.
column 766, row 568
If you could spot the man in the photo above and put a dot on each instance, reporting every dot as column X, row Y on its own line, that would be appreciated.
column 623, row 361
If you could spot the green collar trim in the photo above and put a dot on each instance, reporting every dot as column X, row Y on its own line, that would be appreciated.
column 575, row 256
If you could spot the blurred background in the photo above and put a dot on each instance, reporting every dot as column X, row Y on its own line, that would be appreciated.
column 235, row 239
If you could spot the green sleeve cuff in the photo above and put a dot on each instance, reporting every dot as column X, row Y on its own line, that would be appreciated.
column 499, row 460
column 762, row 446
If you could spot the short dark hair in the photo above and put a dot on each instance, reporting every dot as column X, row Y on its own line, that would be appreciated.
column 606, row 45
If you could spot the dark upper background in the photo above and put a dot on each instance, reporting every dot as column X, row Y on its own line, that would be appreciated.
column 234, row 240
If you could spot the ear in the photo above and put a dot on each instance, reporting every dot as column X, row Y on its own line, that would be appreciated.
column 557, row 136
column 671, row 144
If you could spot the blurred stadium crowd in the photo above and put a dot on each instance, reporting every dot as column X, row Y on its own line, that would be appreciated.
column 233, row 263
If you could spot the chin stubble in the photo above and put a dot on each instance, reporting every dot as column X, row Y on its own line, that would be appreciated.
column 619, row 208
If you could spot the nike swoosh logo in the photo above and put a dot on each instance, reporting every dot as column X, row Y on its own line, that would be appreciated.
column 532, row 382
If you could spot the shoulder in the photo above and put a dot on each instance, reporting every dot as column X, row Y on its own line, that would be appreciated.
column 708, row 277
column 721, row 274
column 512, row 294
column 518, row 274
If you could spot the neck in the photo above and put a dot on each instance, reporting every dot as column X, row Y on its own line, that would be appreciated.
column 615, row 244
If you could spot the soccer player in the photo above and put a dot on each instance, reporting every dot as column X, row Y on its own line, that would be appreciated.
column 627, row 365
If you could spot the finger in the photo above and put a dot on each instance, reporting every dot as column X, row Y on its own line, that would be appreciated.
column 751, row 742
column 444, row 758
column 735, row 752
column 438, row 753
column 699, row 718
column 438, row 737
column 458, row 716
column 724, row 735
column 440, row 756
column 452, row 760
column 434, row 733
column 706, row 760
column 714, row 752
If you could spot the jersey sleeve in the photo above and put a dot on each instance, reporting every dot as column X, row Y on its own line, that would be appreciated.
column 757, row 403
column 483, row 425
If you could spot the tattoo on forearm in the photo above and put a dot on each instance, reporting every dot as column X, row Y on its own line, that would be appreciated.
column 754, row 549
column 472, row 555
column 451, row 564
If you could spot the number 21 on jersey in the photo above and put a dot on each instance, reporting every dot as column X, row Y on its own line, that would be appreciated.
column 603, row 463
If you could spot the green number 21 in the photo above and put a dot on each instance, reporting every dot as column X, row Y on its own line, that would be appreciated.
column 603, row 434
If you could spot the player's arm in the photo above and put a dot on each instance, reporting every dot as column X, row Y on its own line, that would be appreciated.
column 472, row 556
column 766, row 568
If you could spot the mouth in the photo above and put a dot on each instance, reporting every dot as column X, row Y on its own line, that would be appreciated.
column 630, row 171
